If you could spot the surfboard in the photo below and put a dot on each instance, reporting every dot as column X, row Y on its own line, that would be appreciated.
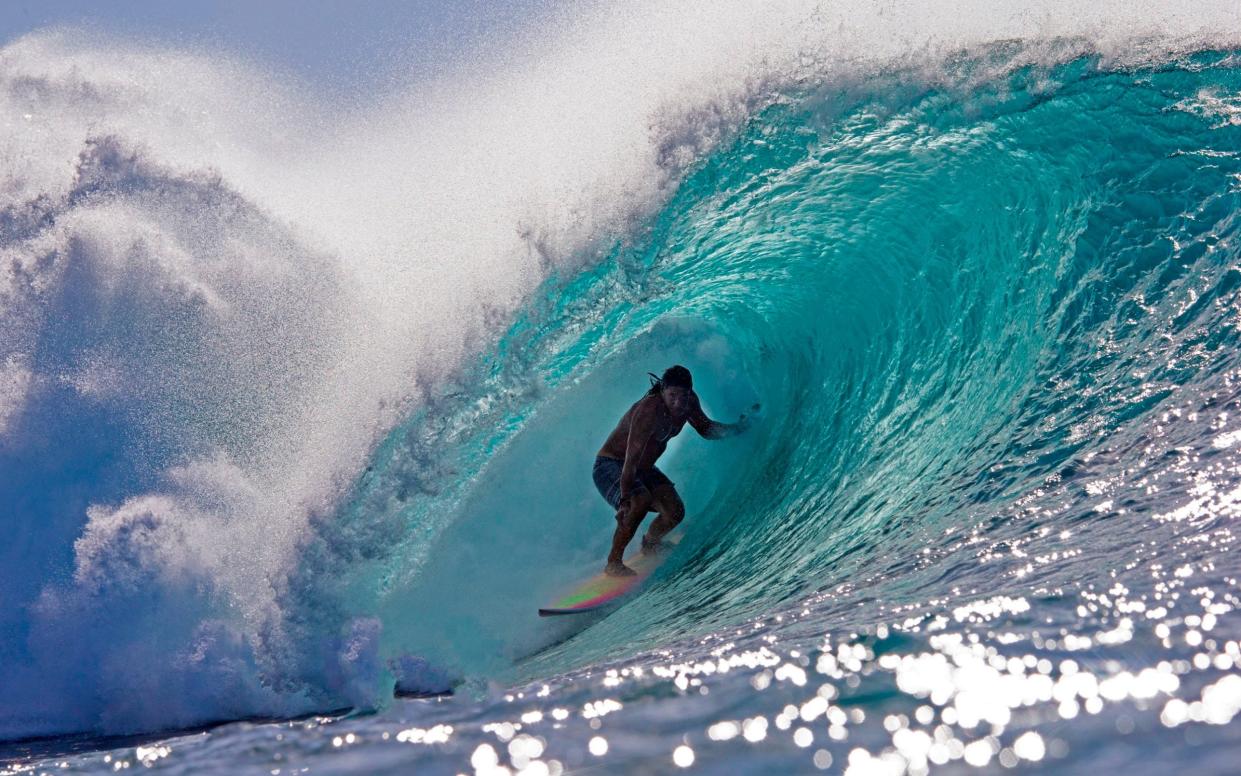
column 601, row 589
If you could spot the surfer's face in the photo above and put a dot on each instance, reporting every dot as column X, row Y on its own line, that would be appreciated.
column 676, row 399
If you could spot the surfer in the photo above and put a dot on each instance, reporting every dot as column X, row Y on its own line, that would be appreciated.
column 625, row 471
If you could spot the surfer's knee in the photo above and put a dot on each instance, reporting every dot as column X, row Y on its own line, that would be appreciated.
column 670, row 507
column 634, row 510
column 675, row 513
column 670, row 517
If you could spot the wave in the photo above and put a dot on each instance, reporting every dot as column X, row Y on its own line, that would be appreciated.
column 280, row 394
column 949, row 301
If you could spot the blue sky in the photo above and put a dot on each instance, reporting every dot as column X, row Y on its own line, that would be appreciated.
column 321, row 40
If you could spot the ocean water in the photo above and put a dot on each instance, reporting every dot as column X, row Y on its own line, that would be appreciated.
column 300, row 392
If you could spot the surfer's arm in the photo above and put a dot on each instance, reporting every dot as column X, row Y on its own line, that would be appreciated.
column 641, row 426
column 713, row 429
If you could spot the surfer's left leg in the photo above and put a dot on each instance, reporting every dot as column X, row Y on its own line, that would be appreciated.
column 667, row 502
column 628, row 517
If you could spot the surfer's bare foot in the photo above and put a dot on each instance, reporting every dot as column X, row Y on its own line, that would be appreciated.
column 654, row 548
column 618, row 569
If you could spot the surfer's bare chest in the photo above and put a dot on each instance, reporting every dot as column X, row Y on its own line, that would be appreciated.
column 658, row 429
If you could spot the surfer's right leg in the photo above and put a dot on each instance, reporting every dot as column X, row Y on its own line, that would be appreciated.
column 628, row 518
column 667, row 502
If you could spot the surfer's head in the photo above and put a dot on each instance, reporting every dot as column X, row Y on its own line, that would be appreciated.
column 677, row 376
column 675, row 387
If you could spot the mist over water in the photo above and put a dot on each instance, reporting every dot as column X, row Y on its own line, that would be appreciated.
column 298, row 397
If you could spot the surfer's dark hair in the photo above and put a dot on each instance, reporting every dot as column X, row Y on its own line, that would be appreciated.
column 674, row 377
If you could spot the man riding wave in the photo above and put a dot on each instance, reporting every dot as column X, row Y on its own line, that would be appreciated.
column 625, row 472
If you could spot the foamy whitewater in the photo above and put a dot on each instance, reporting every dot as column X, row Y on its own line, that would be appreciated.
column 299, row 396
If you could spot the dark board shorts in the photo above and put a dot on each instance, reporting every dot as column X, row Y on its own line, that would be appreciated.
column 608, row 476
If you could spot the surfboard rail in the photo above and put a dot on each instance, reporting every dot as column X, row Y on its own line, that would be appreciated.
column 601, row 590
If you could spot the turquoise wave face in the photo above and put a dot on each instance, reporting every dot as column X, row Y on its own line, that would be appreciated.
column 975, row 314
